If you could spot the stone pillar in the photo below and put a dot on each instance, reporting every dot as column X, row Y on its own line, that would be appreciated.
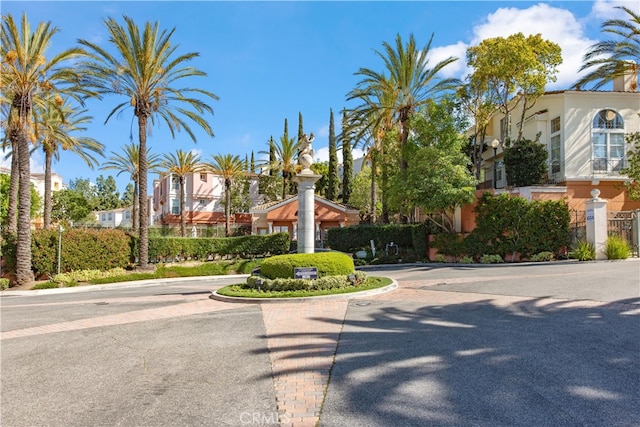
column 596, row 212
column 306, row 210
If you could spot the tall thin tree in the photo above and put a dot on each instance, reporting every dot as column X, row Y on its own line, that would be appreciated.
column 145, row 70
column 347, row 162
column 182, row 164
column 333, row 181
column 229, row 167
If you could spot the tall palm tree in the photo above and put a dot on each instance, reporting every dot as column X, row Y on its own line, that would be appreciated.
column 181, row 164
column 145, row 69
column 613, row 58
column 285, row 161
column 55, row 125
column 28, row 79
column 407, row 80
column 8, row 117
column 128, row 162
column 229, row 167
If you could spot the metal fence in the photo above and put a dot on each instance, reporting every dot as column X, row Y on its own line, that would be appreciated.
column 625, row 224
column 577, row 227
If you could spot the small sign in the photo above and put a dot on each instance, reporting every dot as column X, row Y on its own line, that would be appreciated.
column 305, row 272
column 589, row 215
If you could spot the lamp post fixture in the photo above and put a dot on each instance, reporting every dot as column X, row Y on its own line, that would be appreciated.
column 60, row 230
column 495, row 144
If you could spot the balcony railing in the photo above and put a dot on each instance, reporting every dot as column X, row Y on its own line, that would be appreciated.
column 604, row 166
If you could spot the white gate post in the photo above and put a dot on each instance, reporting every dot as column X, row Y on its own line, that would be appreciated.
column 596, row 210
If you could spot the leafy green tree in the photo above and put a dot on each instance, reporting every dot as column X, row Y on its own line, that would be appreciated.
column 84, row 187
column 347, row 164
column 333, row 179
column 55, row 126
column 127, row 162
column 526, row 163
column 128, row 195
column 229, row 167
column 5, row 184
column 180, row 164
column 27, row 79
column 407, row 80
column 145, row 70
column 321, row 184
column 515, row 65
column 609, row 59
column 107, row 194
column 633, row 168
column 437, row 179
column 361, row 197
column 71, row 206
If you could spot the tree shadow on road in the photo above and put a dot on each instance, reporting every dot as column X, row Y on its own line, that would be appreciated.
column 533, row 362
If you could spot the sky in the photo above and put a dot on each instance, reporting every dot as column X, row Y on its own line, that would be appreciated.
column 269, row 61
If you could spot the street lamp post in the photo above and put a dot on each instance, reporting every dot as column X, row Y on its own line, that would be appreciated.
column 60, row 230
column 495, row 144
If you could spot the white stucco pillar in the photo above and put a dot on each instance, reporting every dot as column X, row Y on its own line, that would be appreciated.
column 306, row 210
column 269, row 227
column 596, row 213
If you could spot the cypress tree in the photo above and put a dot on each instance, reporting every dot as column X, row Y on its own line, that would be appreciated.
column 286, row 129
column 347, row 162
column 333, row 179
column 300, row 127
column 253, row 163
column 246, row 163
column 272, row 156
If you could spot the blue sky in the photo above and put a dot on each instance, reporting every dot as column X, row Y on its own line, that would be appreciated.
column 268, row 61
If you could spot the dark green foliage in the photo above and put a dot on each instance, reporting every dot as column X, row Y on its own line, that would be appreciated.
column 162, row 248
column 36, row 200
column 288, row 284
column 333, row 180
column 81, row 250
column 507, row 225
column 350, row 239
column 526, row 163
column 328, row 264
column 321, row 184
column 272, row 157
column 633, row 166
column 347, row 164
column 252, row 165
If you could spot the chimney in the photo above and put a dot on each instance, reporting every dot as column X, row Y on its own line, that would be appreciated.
column 627, row 81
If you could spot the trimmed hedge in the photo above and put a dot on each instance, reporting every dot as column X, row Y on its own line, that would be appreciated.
column 354, row 238
column 326, row 282
column 161, row 248
column 328, row 264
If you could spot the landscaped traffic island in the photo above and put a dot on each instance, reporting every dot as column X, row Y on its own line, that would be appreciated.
column 304, row 275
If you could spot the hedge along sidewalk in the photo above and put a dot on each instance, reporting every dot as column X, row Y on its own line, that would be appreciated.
column 120, row 285
column 358, row 294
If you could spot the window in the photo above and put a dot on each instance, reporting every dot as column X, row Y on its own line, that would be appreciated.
column 202, row 203
column 203, row 177
column 554, row 147
column 110, row 216
column 127, row 214
column 175, row 183
column 175, row 206
column 280, row 229
column 607, row 142
column 104, row 217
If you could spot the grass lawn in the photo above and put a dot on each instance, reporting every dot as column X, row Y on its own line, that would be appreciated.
column 239, row 291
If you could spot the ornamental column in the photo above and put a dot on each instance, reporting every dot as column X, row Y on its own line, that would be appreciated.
column 596, row 212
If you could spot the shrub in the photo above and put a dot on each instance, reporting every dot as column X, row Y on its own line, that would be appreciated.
column 328, row 264
column 73, row 277
column 617, row 248
column 288, row 284
column 466, row 260
column 542, row 256
column 440, row 258
column 584, row 251
column 351, row 239
column 4, row 284
column 491, row 259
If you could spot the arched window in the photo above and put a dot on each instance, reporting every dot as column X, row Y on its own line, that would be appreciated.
column 607, row 140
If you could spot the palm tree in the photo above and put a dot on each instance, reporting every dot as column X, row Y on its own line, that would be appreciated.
column 181, row 164
column 145, row 70
column 128, row 162
column 54, row 126
column 229, row 168
column 614, row 58
column 8, row 116
column 27, row 80
column 285, row 155
column 409, row 83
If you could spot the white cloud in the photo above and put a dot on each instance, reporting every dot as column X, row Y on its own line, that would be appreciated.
column 606, row 9
column 455, row 69
column 323, row 131
column 322, row 154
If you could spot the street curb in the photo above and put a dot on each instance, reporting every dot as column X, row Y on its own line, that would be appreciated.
column 370, row 292
column 120, row 285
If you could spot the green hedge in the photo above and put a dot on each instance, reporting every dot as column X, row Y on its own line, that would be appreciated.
column 81, row 250
column 162, row 248
column 354, row 238
column 507, row 226
column 327, row 282
column 328, row 264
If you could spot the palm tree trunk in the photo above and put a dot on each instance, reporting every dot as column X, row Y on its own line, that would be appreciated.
column 48, row 156
column 136, row 202
column 227, row 208
column 183, row 219
column 143, row 244
column 13, row 186
column 372, row 208
column 24, row 274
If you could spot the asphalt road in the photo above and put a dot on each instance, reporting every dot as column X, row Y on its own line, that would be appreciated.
column 529, row 345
